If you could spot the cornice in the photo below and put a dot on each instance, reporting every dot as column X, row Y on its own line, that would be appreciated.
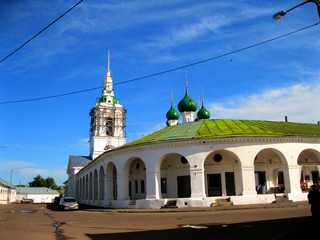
column 210, row 141
column 236, row 141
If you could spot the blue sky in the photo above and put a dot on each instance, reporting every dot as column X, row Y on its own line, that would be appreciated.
column 268, row 82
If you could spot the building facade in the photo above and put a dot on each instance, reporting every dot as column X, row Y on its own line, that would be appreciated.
column 7, row 194
column 37, row 194
column 197, row 162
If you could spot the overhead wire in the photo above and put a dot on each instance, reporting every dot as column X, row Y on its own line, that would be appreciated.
column 41, row 31
column 169, row 70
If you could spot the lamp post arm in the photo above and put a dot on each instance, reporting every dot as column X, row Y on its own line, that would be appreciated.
column 314, row 1
column 279, row 15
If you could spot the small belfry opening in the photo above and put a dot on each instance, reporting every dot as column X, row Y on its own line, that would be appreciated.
column 109, row 126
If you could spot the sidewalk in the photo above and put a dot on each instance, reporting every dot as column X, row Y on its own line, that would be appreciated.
column 199, row 209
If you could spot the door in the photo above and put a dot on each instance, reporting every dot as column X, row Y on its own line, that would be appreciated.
column 230, row 187
column 184, row 186
column 214, row 185
column 261, row 184
column 315, row 177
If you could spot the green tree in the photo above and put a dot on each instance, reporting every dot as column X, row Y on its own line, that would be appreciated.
column 50, row 183
column 39, row 181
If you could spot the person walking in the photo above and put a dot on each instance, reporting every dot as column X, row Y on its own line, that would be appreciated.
column 314, row 201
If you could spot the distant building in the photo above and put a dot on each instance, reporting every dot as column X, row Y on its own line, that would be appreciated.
column 37, row 194
column 194, row 163
column 4, row 192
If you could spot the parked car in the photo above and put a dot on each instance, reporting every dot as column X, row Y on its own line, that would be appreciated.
column 68, row 203
column 56, row 201
column 26, row 200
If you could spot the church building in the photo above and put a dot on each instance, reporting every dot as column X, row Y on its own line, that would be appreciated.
column 196, row 162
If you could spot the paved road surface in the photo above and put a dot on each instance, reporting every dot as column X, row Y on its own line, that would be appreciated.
column 36, row 221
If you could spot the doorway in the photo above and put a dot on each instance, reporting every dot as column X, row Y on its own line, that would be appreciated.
column 261, row 184
column 184, row 186
column 230, row 187
column 214, row 185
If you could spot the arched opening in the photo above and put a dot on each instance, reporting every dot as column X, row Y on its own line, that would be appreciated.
column 82, row 188
column 87, row 188
column 221, row 172
column 90, row 186
column 137, row 179
column 269, row 172
column 78, row 189
column 175, row 176
column 101, row 183
column 95, row 185
column 111, row 182
column 309, row 162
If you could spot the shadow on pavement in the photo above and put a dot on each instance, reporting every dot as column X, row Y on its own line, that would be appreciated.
column 292, row 228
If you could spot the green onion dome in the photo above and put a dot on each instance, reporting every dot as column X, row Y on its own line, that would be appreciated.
column 187, row 104
column 172, row 114
column 203, row 113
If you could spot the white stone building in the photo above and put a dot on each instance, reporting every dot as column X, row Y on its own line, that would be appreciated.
column 194, row 163
column 5, row 192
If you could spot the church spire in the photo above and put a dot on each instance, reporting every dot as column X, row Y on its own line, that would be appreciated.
column 107, row 95
column 108, row 70
column 107, row 125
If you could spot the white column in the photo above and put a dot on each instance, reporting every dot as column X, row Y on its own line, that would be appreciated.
column 123, row 186
column 248, row 180
column 292, row 179
column 153, row 182
column 108, row 188
column 106, row 193
column 197, row 182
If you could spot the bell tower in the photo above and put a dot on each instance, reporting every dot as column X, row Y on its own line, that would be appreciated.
column 108, row 120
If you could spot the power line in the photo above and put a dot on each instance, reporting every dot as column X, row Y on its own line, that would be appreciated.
column 169, row 70
column 41, row 31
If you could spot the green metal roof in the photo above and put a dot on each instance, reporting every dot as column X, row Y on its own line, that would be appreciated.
column 217, row 128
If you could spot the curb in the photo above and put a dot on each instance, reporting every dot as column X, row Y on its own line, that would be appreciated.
column 200, row 209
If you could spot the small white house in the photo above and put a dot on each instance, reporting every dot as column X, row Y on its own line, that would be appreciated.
column 4, row 192
column 37, row 194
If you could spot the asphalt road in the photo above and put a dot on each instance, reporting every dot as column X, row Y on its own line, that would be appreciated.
column 36, row 221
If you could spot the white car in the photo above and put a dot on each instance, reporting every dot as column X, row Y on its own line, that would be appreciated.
column 68, row 203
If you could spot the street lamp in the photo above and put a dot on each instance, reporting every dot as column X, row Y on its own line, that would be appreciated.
column 9, row 193
column 280, row 14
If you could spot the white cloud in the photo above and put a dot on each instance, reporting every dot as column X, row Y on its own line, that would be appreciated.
column 8, row 165
column 299, row 102
column 34, row 172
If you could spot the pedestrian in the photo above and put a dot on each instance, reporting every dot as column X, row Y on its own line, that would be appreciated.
column 314, row 201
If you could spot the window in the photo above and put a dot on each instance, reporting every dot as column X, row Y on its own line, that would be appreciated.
column 183, row 160
column 142, row 186
column 280, row 178
column 217, row 157
column 136, row 186
column 163, row 185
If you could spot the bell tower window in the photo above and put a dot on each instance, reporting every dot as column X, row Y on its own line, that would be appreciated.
column 109, row 127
